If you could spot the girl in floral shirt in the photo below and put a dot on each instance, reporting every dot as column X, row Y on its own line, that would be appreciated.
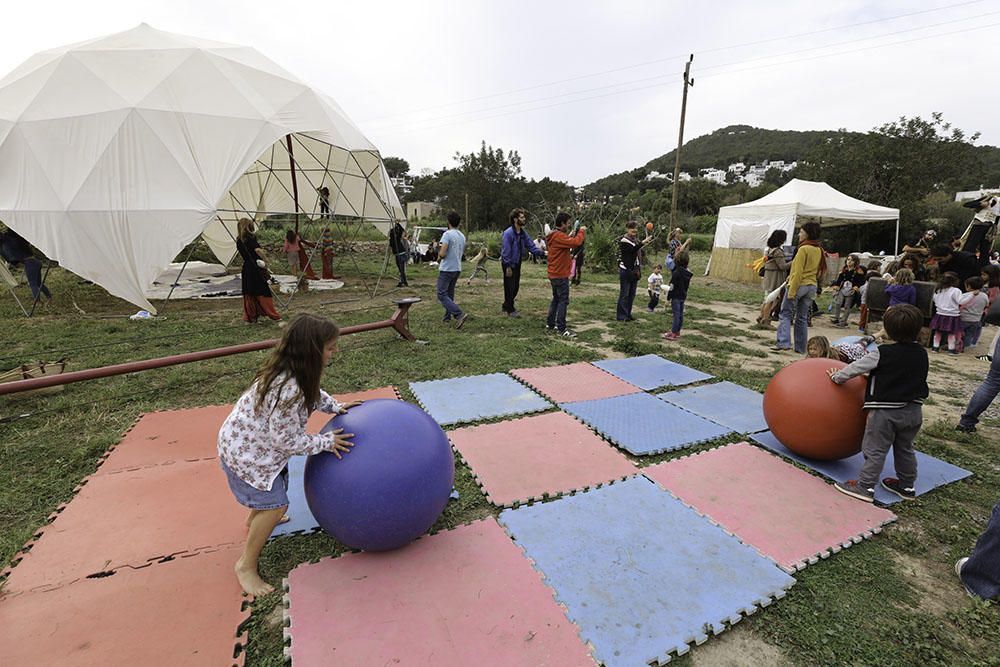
column 268, row 426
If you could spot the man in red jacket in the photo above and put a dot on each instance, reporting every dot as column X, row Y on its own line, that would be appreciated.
column 559, row 244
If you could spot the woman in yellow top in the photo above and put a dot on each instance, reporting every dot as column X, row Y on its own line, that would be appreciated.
column 808, row 265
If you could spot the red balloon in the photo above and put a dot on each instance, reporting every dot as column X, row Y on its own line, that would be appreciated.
column 813, row 416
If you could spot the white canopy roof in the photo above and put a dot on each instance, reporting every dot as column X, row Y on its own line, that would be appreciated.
column 117, row 152
column 748, row 225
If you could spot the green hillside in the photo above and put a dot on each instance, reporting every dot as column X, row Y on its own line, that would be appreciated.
column 751, row 145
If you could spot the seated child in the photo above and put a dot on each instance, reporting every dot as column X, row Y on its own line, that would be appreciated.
column 654, row 285
column 901, row 289
column 268, row 426
column 897, row 386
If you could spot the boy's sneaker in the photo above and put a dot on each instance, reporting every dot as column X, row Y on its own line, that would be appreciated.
column 670, row 335
column 461, row 320
column 854, row 489
column 566, row 333
column 894, row 485
column 965, row 429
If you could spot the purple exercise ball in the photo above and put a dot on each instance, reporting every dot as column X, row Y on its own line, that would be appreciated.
column 393, row 484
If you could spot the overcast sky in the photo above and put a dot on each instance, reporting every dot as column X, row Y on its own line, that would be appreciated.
column 583, row 89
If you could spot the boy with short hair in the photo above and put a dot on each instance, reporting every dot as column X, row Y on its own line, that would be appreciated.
column 680, row 280
column 897, row 387
column 971, row 306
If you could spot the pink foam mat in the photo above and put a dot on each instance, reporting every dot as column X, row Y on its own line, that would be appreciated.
column 167, row 437
column 574, row 382
column 132, row 518
column 524, row 459
column 182, row 612
column 462, row 597
column 788, row 515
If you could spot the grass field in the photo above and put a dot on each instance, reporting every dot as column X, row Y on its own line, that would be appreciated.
column 892, row 600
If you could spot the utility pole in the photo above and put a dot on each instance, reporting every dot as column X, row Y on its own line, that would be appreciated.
column 688, row 82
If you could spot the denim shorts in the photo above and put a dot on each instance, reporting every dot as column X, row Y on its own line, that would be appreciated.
column 256, row 499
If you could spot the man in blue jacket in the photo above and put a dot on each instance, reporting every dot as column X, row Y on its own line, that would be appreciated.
column 513, row 244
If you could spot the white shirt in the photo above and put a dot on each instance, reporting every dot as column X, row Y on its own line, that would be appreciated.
column 256, row 445
column 946, row 301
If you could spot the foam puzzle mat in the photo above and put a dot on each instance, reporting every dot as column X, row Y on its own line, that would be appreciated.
column 475, row 398
column 642, row 424
column 725, row 403
column 788, row 515
column 542, row 455
column 651, row 372
column 466, row 596
column 159, row 438
column 573, row 382
column 931, row 472
column 133, row 518
column 186, row 611
column 641, row 574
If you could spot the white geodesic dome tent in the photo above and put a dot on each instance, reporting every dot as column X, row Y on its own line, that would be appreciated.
column 117, row 152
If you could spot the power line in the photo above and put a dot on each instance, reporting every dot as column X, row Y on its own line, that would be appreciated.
column 411, row 128
column 672, row 58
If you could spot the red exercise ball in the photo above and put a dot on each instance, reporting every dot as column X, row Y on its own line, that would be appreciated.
column 812, row 415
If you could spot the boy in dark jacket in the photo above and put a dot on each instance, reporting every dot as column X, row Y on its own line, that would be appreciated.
column 680, row 280
column 897, row 387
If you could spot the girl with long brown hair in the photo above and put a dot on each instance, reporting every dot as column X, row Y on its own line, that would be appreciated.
column 268, row 426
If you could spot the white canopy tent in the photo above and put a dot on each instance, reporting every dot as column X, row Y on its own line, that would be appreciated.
column 117, row 152
column 748, row 225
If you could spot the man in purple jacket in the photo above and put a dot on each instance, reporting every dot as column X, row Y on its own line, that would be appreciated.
column 513, row 244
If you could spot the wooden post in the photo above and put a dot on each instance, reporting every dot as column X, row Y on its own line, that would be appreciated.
column 295, row 185
column 680, row 142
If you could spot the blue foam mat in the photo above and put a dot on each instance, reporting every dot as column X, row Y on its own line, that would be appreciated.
column 650, row 371
column 931, row 472
column 474, row 398
column 641, row 574
column 725, row 403
column 642, row 424
column 300, row 519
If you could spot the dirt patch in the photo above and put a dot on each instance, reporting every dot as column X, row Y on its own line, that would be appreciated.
column 939, row 590
column 737, row 648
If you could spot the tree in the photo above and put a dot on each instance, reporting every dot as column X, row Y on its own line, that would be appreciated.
column 897, row 164
column 396, row 166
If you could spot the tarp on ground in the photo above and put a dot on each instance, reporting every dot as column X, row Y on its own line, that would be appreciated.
column 748, row 225
column 117, row 152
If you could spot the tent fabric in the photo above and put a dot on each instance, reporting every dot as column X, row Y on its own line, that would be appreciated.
column 117, row 152
column 748, row 225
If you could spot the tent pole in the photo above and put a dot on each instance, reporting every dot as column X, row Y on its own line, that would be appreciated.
column 295, row 185
column 173, row 285
column 896, row 249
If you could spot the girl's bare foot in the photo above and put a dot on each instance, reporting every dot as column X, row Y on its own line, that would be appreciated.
column 284, row 517
column 250, row 581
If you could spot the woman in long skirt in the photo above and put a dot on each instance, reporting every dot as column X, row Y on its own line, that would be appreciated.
column 257, row 297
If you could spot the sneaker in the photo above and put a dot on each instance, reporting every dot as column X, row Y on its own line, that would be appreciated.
column 513, row 313
column 852, row 488
column 965, row 429
column 954, row 352
column 959, row 564
column 670, row 335
column 985, row 357
column 936, row 349
column 461, row 320
column 894, row 485
column 549, row 329
column 567, row 334
column 649, row 310
column 781, row 349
